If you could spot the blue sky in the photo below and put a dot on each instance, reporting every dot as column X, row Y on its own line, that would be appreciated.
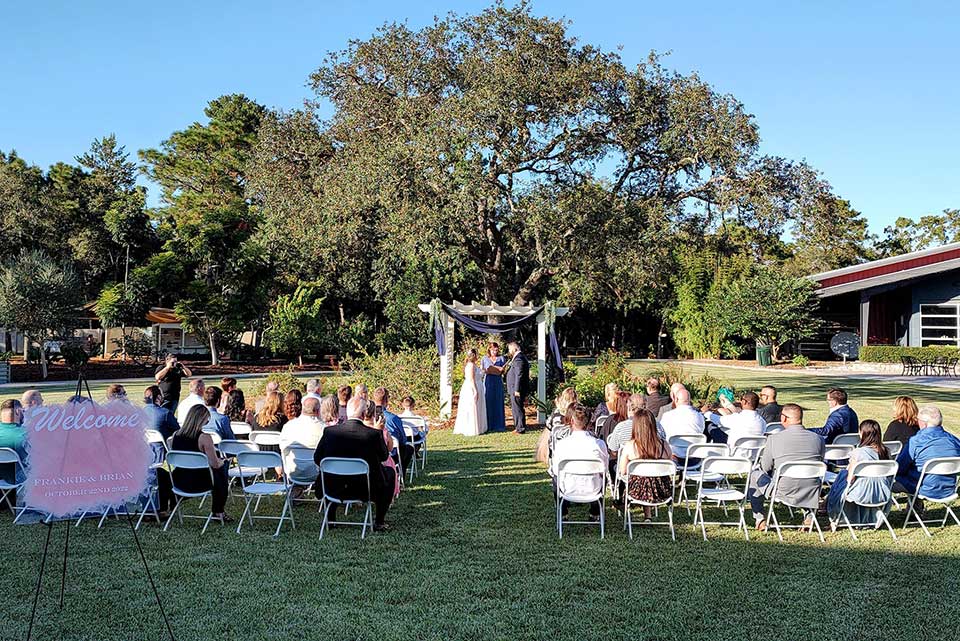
column 866, row 92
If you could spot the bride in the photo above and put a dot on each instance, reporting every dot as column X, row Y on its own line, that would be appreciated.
column 472, row 408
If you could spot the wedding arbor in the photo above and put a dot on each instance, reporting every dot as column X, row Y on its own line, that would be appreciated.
column 511, row 316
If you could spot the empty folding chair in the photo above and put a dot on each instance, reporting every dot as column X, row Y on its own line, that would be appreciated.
column 847, row 439
column 883, row 470
column 835, row 455
column 240, row 428
column 259, row 489
column 748, row 447
column 593, row 475
column 692, row 471
column 177, row 459
column 9, row 456
column 723, row 467
column 337, row 466
column 796, row 470
column 649, row 469
column 946, row 466
column 772, row 428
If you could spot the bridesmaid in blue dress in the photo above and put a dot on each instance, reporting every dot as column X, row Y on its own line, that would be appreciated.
column 492, row 366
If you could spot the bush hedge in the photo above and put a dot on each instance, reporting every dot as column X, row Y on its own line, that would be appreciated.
column 892, row 353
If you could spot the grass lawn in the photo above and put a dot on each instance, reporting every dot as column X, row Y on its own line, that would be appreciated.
column 474, row 555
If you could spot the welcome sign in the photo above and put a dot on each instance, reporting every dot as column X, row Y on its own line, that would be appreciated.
column 85, row 456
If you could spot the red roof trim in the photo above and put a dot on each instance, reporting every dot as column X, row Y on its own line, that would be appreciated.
column 890, row 268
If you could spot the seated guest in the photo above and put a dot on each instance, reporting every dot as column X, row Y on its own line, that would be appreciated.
column 344, row 394
column 841, row 420
column 580, row 444
column 227, row 384
column 191, row 438
column 303, row 431
column 195, row 397
column 116, row 392
column 14, row 436
column 673, row 400
column 623, row 431
column 373, row 417
column 218, row 422
column 30, row 399
column 904, row 424
column 329, row 411
column 653, row 400
column 161, row 419
column 292, row 404
column 931, row 441
column 556, row 423
column 683, row 420
column 361, row 392
column 409, row 406
column 381, row 400
column 621, row 412
column 794, row 443
column 235, row 407
column 864, row 490
column 271, row 387
column 769, row 407
column 353, row 439
column 644, row 444
column 736, row 422
column 271, row 416
column 313, row 389
column 610, row 391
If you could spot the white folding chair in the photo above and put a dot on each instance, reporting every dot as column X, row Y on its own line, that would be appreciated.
column 259, row 489
column 153, row 438
column 214, row 436
column 871, row 470
column 681, row 442
column 188, row 461
column 649, row 469
column 339, row 466
column 692, row 472
column 230, row 448
column 420, row 428
column 265, row 437
column 847, row 439
column 945, row 466
column 597, row 424
column 9, row 456
column 240, row 428
column 894, row 448
column 398, row 461
column 583, row 469
column 558, row 433
column 724, row 467
column 836, row 454
column 797, row 470
column 748, row 447
column 772, row 428
column 301, row 459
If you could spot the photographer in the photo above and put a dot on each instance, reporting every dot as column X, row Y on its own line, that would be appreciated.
column 168, row 377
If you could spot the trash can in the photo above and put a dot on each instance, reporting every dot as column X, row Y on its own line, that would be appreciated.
column 763, row 356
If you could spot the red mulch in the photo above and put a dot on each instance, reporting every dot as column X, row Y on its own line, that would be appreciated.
column 105, row 370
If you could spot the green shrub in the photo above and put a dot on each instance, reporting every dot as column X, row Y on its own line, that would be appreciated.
column 800, row 360
column 411, row 372
column 287, row 380
column 892, row 353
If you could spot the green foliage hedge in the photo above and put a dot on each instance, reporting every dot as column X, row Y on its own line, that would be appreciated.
column 892, row 353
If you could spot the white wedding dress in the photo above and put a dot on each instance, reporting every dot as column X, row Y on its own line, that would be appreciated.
column 472, row 407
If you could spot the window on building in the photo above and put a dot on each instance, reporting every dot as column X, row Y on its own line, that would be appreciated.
column 939, row 325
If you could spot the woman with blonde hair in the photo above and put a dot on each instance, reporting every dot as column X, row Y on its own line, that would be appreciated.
column 471, row 404
column 556, row 422
column 270, row 416
column 329, row 410
column 904, row 423
column 609, row 404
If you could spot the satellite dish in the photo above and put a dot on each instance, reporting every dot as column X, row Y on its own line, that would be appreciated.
column 846, row 345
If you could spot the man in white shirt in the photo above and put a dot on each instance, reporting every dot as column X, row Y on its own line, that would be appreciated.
column 195, row 397
column 682, row 420
column 303, row 431
column 314, row 388
column 736, row 423
column 580, row 445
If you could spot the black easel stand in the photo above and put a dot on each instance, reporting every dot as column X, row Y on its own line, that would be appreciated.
column 81, row 384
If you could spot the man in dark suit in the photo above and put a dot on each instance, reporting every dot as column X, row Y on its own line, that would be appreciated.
column 353, row 439
column 518, row 385
column 841, row 420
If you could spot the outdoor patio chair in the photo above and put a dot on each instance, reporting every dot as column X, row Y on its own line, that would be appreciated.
column 259, row 489
column 799, row 470
column 946, row 466
column 649, row 469
column 723, row 467
column 344, row 467
column 580, row 468
column 911, row 366
column 873, row 470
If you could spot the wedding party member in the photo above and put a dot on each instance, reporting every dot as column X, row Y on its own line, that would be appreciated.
column 492, row 365
column 191, row 438
column 841, row 419
column 161, row 419
column 863, row 490
column 769, row 407
column 353, row 439
column 556, row 427
column 218, row 423
column 471, row 405
column 644, row 444
column 168, row 377
column 361, row 392
column 904, row 424
column 303, row 431
column 607, row 406
column 580, row 445
column 195, row 397
column 518, row 385
column 381, row 401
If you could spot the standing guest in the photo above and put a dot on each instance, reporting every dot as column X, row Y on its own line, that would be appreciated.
column 556, row 426
column 353, row 439
column 904, row 424
column 769, row 407
column 653, row 400
column 271, row 387
column 236, row 407
column 579, row 445
column 518, row 385
column 931, row 441
column 314, row 388
column 644, row 444
column 735, row 422
column 344, row 394
column 682, row 420
column 794, row 443
column 303, row 431
column 409, row 407
column 841, row 419
column 292, row 404
column 191, row 438
column 218, row 422
column 271, row 416
column 161, row 419
column 492, row 365
column 195, row 397
column 116, row 392
column 381, row 400
column 863, row 490
column 608, row 405
column 14, row 436
column 329, row 411
column 373, row 417
column 168, row 377
column 31, row 399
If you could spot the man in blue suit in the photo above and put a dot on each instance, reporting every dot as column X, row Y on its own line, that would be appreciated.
column 841, row 420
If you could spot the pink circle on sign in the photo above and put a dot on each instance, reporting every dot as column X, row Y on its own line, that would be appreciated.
column 86, row 456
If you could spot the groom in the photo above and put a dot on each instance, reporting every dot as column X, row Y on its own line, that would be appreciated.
column 518, row 385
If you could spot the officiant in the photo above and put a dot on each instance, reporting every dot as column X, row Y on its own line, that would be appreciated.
column 493, row 365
